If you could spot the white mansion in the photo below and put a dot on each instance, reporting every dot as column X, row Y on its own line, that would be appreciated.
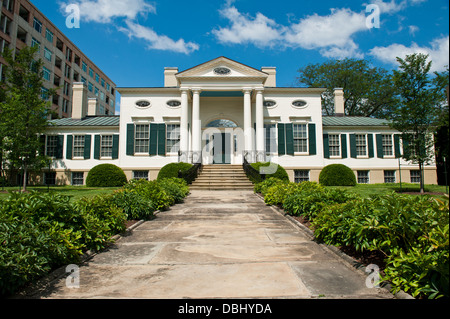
column 217, row 113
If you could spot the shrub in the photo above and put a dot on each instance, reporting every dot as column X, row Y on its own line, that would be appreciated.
column 134, row 205
column 276, row 194
column 175, row 187
column 172, row 170
column 280, row 172
column 262, row 187
column 337, row 175
column 151, row 191
column 106, row 175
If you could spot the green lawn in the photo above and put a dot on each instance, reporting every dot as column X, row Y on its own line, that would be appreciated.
column 368, row 190
column 75, row 192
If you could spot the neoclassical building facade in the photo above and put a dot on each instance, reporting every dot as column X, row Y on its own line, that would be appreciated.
column 218, row 113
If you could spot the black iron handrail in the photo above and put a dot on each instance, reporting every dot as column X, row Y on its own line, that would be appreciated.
column 191, row 174
column 253, row 174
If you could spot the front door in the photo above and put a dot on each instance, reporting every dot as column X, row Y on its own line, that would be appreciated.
column 222, row 148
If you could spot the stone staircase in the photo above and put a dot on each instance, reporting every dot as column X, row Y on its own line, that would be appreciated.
column 222, row 177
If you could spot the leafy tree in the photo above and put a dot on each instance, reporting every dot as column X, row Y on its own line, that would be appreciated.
column 368, row 91
column 24, row 110
column 418, row 111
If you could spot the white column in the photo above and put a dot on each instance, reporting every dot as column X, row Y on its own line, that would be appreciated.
column 260, row 138
column 184, row 138
column 196, row 123
column 248, row 120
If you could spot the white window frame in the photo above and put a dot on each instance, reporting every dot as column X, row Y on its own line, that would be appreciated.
column 392, row 149
column 300, row 139
column 78, row 146
column 299, row 179
column 170, row 138
column 339, row 146
column 106, row 146
column 366, row 146
column 136, row 139
column 358, row 177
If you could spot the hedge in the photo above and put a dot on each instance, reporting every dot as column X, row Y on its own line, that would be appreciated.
column 337, row 175
column 280, row 173
column 171, row 170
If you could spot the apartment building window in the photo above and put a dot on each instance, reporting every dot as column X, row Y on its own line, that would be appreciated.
column 36, row 44
column 5, row 25
column 59, row 44
column 48, row 54
column 49, row 35
column 300, row 138
column 301, row 176
column 106, row 146
column 58, row 62
column 90, row 87
column 83, row 79
column 78, row 146
column 68, row 54
column 142, row 138
column 173, row 138
column 415, row 176
column 334, row 142
column 24, row 13
column 97, row 91
column 388, row 145
column 361, row 145
column 363, row 177
column 97, row 78
column 102, row 96
column 108, row 87
column 3, row 44
column 66, row 88
column 22, row 34
column 56, row 80
column 103, row 82
column 37, row 25
column 84, row 66
column 77, row 60
column 102, row 110
column 46, row 73
column 77, row 179
column 91, row 73
column 389, row 177
column 137, row 175
column 66, row 105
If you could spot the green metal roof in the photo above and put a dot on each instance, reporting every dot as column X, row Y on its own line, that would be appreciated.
column 88, row 121
column 353, row 121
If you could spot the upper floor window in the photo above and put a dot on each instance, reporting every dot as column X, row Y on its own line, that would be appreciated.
column 361, row 144
column 49, row 35
column 37, row 25
column 334, row 141
column 300, row 138
column 388, row 145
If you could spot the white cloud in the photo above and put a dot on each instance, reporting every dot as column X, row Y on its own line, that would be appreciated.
column 438, row 52
column 104, row 11
column 156, row 41
column 260, row 30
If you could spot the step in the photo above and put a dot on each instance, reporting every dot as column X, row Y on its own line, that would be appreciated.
column 214, row 183
column 219, row 188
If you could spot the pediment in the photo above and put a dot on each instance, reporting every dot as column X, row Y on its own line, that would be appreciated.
column 221, row 68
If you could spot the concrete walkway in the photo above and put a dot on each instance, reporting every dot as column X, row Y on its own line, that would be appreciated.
column 216, row 245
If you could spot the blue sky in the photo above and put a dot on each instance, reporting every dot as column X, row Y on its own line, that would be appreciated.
column 133, row 40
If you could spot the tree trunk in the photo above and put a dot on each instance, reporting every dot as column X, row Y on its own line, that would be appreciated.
column 422, row 184
column 24, row 187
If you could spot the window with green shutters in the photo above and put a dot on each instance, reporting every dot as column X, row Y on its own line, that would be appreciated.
column 54, row 146
column 146, row 139
column 361, row 145
column 388, row 145
column 106, row 147
column 78, row 147
column 296, row 138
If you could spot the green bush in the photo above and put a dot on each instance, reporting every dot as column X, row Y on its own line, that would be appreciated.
column 279, row 174
column 262, row 187
column 175, row 187
column 172, row 170
column 151, row 191
column 337, row 175
column 135, row 206
column 106, row 175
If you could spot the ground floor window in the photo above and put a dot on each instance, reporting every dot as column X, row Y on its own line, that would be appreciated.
column 389, row 177
column 50, row 178
column 78, row 179
column 106, row 146
column 415, row 176
column 78, row 146
column 363, row 177
column 301, row 176
column 334, row 142
column 140, row 175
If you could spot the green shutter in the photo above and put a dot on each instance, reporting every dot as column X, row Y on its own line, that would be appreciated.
column 398, row 153
column 97, row 146
column 406, row 148
column 344, row 145
column 312, row 139
column 130, row 139
column 353, row 153
column 42, row 140
column 326, row 146
column 370, row 145
column 289, row 139
column 115, row 150
column 380, row 152
column 281, row 139
column 153, row 141
column 60, row 147
column 69, row 150
column 87, row 147
column 162, row 139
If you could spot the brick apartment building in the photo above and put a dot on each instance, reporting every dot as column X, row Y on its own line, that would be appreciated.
column 22, row 24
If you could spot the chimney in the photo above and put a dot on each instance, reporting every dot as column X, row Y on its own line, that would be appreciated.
column 339, row 102
column 169, row 77
column 79, row 101
column 92, row 107
column 272, row 79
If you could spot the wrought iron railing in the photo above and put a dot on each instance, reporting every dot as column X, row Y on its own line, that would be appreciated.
column 253, row 174
column 191, row 174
